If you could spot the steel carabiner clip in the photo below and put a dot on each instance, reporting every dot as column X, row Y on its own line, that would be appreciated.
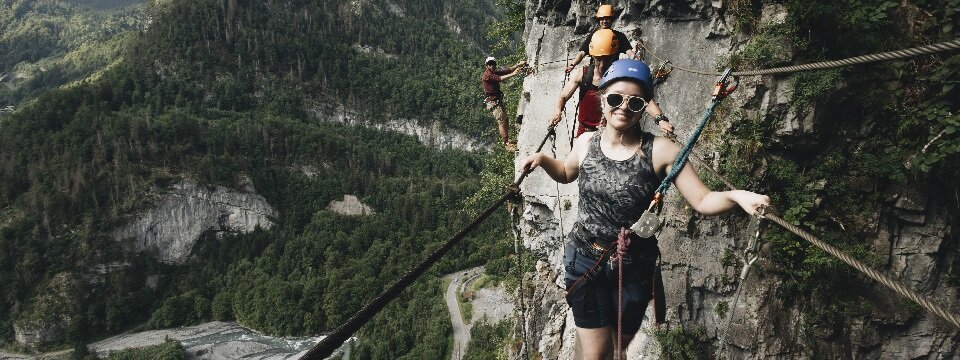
column 722, row 88
column 662, row 72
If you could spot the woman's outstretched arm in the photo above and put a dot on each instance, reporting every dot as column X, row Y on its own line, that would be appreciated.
column 562, row 171
column 701, row 198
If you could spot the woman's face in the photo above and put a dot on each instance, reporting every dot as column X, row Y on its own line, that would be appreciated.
column 620, row 117
column 605, row 22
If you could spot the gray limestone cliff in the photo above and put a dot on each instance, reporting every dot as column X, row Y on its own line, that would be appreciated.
column 698, row 282
column 350, row 205
column 170, row 229
column 433, row 135
column 51, row 314
column 167, row 231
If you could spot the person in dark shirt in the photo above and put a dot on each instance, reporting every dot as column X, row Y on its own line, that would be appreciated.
column 493, row 97
column 605, row 19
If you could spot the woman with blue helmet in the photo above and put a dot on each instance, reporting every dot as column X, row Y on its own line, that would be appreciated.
column 619, row 169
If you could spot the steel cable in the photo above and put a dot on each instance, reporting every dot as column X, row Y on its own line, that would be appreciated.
column 335, row 339
column 863, row 59
column 873, row 274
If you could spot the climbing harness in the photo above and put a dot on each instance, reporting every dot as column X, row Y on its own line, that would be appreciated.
column 650, row 220
column 614, row 257
column 596, row 249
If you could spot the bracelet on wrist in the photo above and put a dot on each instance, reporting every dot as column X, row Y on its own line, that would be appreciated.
column 660, row 118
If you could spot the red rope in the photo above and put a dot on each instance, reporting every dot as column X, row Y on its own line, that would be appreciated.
column 623, row 242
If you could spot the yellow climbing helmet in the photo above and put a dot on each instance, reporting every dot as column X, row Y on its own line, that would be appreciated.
column 605, row 11
column 604, row 43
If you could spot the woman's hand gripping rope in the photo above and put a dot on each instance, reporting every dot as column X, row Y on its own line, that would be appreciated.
column 556, row 119
column 751, row 202
column 531, row 162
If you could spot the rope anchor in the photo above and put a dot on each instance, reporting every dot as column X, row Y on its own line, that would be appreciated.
column 650, row 221
column 722, row 89
column 752, row 252
column 750, row 255
column 663, row 70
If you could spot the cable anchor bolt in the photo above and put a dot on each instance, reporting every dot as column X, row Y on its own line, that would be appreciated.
column 664, row 70
column 752, row 252
column 725, row 85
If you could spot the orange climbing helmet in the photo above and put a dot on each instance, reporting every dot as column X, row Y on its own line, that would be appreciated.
column 605, row 11
column 604, row 43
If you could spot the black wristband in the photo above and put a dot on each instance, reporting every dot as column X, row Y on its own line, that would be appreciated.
column 660, row 118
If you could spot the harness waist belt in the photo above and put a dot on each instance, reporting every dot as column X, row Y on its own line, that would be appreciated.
column 595, row 249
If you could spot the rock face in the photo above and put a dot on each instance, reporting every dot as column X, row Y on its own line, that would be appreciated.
column 35, row 334
column 50, row 314
column 432, row 135
column 350, row 205
column 171, row 229
column 700, row 289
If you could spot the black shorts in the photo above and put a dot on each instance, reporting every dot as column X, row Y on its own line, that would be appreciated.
column 594, row 302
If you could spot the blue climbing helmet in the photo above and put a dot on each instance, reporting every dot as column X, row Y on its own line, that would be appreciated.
column 629, row 69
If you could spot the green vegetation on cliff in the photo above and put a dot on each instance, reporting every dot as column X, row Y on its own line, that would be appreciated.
column 50, row 43
column 879, row 132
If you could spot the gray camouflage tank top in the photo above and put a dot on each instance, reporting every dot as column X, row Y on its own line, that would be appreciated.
column 613, row 194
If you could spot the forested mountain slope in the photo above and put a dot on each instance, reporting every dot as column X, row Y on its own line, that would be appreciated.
column 385, row 58
column 215, row 92
column 49, row 43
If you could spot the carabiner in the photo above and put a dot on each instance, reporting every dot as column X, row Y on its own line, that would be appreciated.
column 662, row 72
column 657, row 200
column 752, row 251
column 722, row 89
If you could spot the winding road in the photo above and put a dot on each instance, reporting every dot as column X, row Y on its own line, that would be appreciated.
column 461, row 331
